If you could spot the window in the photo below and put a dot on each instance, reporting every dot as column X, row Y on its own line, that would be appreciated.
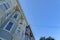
column 18, row 31
column 8, row 14
column 21, row 22
column 8, row 27
column 5, row 6
column 27, row 30
column 15, row 16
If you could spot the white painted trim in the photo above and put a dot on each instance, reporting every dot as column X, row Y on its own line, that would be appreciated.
column 18, row 16
column 11, row 27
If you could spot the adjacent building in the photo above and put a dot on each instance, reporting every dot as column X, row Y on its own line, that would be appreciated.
column 13, row 24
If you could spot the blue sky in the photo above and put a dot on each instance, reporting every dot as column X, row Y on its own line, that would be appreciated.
column 43, row 17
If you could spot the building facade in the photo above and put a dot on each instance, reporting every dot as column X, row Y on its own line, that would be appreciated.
column 13, row 24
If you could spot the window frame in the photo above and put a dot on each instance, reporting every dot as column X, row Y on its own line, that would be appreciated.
column 15, row 16
column 18, row 15
column 16, row 32
column 10, row 28
column 5, row 5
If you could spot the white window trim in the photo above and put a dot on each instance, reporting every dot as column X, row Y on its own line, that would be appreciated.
column 17, row 12
column 11, row 27
column 5, row 3
column 16, row 31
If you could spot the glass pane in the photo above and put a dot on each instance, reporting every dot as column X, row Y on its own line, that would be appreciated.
column 15, row 16
column 6, row 6
column 9, row 26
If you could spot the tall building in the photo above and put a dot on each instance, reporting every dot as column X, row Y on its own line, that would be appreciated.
column 13, row 24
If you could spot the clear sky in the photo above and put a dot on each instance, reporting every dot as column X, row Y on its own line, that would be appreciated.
column 43, row 17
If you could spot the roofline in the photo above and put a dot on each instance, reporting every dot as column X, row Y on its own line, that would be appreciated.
column 22, row 13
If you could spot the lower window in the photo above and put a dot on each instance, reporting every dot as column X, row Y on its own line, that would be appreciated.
column 9, row 26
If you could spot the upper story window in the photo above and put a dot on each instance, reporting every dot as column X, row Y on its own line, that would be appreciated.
column 15, row 16
column 27, row 29
column 4, row 6
column 8, row 27
column 21, row 21
column 18, row 31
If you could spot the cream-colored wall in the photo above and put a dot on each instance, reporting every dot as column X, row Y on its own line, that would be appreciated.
column 3, row 13
column 21, row 28
column 22, row 13
column 14, row 6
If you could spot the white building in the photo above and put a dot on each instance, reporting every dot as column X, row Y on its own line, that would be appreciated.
column 12, row 21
